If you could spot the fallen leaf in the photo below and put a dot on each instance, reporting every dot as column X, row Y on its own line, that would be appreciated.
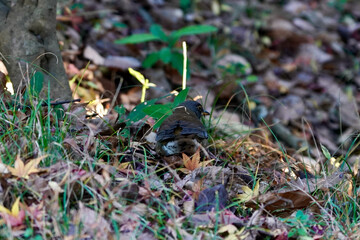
column 214, row 198
column 15, row 217
column 3, row 168
column 284, row 204
column 146, row 191
column 55, row 187
column 93, row 223
column 228, row 229
column 193, row 163
column 23, row 171
column 248, row 193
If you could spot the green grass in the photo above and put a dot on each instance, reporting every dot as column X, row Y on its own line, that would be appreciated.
column 90, row 175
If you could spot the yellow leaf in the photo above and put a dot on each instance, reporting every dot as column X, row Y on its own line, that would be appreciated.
column 248, row 193
column 237, row 235
column 124, row 165
column 231, row 229
column 23, row 171
column 4, row 210
column 184, row 170
column 246, row 196
column 143, row 81
column 137, row 75
column 15, row 209
column 256, row 189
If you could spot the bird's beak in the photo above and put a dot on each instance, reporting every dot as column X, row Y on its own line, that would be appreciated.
column 205, row 113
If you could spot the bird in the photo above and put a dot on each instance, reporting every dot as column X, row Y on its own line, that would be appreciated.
column 182, row 131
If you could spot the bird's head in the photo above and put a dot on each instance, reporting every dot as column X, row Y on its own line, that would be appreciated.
column 195, row 107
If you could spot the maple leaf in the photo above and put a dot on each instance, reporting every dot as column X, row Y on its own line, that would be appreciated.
column 15, row 216
column 23, row 171
column 248, row 193
column 193, row 163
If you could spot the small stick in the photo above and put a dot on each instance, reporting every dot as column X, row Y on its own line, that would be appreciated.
column 60, row 102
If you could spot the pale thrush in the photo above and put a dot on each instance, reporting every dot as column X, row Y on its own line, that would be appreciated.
column 182, row 131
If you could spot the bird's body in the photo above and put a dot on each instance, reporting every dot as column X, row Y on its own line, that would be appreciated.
column 182, row 132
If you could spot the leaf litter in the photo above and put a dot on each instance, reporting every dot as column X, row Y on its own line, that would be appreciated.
column 286, row 72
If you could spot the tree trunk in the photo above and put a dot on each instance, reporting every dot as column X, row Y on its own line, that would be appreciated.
column 28, row 43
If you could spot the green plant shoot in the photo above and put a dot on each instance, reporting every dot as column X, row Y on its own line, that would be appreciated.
column 169, row 53
column 144, row 81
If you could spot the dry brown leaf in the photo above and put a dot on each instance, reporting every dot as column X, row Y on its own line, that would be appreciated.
column 146, row 191
column 23, row 171
column 94, row 223
column 193, row 163
column 284, row 204
column 197, row 188
column 36, row 212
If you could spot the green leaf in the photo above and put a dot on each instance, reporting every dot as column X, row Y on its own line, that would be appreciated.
column 159, row 122
column 36, row 83
column 302, row 232
column 125, row 133
column 325, row 151
column 92, row 85
column 192, row 30
column 137, row 38
column 28, row 232
column 119, row 25
column 151, row 59
column 158, row 111
column 292, row 233
column 121, row 110
column 165, row 55
column 252, row 78
column 157, row 31
column 177, row 62
column 181, row 97
column 137, row 113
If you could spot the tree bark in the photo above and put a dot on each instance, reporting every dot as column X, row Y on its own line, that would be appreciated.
column 28, row 43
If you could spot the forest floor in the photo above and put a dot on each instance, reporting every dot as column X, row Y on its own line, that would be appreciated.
column 280, row 79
